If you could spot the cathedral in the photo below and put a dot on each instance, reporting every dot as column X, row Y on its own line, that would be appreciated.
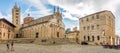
column 44, row 28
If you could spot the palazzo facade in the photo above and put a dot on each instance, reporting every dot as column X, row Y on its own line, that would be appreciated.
column 6, row 30
column 98, row 28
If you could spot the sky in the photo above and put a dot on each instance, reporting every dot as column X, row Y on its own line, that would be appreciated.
column 71, row 10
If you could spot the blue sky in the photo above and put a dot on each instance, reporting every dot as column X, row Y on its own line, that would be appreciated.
column 72, row 10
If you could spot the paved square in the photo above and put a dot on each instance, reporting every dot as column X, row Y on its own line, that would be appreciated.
column 68, row 48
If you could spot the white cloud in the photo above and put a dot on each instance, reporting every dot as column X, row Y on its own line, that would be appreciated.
column 67, row 15
column 40, row 5
column 1, row 15
column 85, row 7
column 8, row 17
column 74, row 7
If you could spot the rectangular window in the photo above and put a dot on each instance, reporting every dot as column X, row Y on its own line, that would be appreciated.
column 88, row 28
column 97, row 16
column 92, row 27
column 87, row 19
column 92, row 17
column 97, row 26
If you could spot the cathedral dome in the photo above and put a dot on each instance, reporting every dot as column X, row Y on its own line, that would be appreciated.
column 28, row 19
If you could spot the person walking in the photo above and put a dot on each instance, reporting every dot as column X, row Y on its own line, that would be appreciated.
column 8, row 46
column 12, row 46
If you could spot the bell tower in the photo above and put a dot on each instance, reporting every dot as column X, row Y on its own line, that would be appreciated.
column 16, row 19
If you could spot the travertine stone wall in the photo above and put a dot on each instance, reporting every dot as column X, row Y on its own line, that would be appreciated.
column 97, row 28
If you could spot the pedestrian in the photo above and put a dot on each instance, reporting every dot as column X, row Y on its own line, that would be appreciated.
column 8, row 46
column 12, row 46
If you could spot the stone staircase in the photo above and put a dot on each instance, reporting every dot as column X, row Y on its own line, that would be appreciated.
column 23, row 40
column 55, row 41
column 43, row 41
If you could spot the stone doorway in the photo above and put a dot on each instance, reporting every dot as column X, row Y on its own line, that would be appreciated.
column 92, row 38
column 17, row 36
column 88, row 38
column 37, row 35
column 58, row 34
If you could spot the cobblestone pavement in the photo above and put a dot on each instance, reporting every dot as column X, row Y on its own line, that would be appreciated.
column 68, row 48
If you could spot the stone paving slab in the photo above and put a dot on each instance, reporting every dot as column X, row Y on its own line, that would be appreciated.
column 68, row 48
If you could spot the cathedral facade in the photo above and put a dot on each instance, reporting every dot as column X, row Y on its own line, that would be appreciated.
column 47, row 27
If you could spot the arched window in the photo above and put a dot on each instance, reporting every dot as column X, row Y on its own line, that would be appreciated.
column 92, row 27
column 58, row 34
column 37, row 34
column 92, row 38
column 98, row 37
column 88, row 38
column 84, row 37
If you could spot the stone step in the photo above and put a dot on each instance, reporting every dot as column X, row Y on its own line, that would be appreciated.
column 55, row 41
column 23, row 40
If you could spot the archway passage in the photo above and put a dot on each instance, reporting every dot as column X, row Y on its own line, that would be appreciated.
column 88, row 38
column 58, row 34
column 98, row 37
column 17, row 36
column 84, row 38
column 37, row 35
column 92, row 38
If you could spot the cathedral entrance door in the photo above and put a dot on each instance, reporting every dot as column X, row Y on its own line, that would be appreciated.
column 58, row 34
column 37, row 35
column 17, row 36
